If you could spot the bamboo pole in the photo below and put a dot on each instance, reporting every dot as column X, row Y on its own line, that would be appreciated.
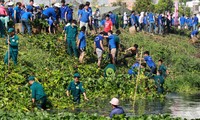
column 138, row 77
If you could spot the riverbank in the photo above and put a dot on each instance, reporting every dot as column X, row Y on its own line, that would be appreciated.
column 44, row 56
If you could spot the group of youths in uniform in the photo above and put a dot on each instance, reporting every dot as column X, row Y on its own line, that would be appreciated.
column 75, row 88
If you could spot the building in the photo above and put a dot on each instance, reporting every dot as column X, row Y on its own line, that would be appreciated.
column 194, row 5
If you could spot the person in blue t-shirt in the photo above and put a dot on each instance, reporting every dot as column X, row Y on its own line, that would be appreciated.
column 116, row 110
column 63, row 11
column 182, row 21
column 49, row 12
column 17, row 12
column 85, row 17
column 90, row 10
column 194, row 33
column 112, row 17
column 151, row 20
column 98, row 48
column 81, row 6
column 26, row 18
column 133, row 19
column 149, row 62
column 10, row 10
column 30, row 6
column 195, row 22
column 81, row 43
column 69, row 13
column 112, row 46
column 160, row 24
column 190, row 23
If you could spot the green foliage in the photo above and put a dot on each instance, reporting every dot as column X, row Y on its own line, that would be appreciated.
column 164, row 5
column 143, row 5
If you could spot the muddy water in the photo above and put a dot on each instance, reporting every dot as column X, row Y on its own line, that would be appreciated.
column 176, row 105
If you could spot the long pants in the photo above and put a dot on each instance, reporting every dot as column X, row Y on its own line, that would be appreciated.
column 160, row 29
column 13, row 55
column 25, row 23
column 195, row 27
column 41, row 104
column 151, row 27
column 71, row 47
column 2, row 30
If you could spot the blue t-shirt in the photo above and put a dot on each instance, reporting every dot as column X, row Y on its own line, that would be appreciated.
column 182, row 20
column 85, row 14
column 10, row 11
column 29, row 8
column 69, row 13
column 50, row 12
column 90, row 10
column 62, row 11
column 112, row 43
column 79, row 12
column 113, row 18
column 149, row 61
column 97, row 41
column 190, row 22
column 26, row 16
column 116, row 111
column 18, row 12
column 160, row 20
column 82, row 39
column 195, row 32
column 133, row 19
column 195, row 20
column 145, row 20
column 151, row 17
column 102, row 23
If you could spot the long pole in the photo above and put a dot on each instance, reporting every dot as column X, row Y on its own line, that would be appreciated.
column 8, row 54
column 138, row 76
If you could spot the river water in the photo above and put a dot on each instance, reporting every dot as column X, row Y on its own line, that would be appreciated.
column 175, row 105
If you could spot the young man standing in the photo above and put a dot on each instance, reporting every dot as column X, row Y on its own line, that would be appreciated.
column 63, row 11
column 108, row 26
column 30, row 6
column 13, row 47
column 182, row 22
column 112, row 46
column 98, row 48
column 81, row 44
column 76, row 89
column 195, row 22
column 39, row 97
column 71, row 32
column 85, row 17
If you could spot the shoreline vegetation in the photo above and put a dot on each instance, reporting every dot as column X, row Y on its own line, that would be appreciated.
column 45, row 57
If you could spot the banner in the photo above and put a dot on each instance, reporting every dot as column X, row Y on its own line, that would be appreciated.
column 176, row 21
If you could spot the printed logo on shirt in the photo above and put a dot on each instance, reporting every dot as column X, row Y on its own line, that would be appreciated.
column 77, row 87
column 13, row 40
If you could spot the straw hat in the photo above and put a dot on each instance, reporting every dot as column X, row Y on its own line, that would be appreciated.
column 114, row 101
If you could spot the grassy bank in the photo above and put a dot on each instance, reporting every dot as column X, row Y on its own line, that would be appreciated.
column 44, row 56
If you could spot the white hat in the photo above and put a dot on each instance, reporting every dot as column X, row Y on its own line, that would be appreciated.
column 35, row 5
column 114, row 101
column 11, row 3
column 57, row 5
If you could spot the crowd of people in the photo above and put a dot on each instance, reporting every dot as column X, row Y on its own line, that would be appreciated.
column 92, row 21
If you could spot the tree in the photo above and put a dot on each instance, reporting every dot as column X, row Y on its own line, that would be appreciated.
column 183, row 9
column 143, row 5
column 164, row 5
